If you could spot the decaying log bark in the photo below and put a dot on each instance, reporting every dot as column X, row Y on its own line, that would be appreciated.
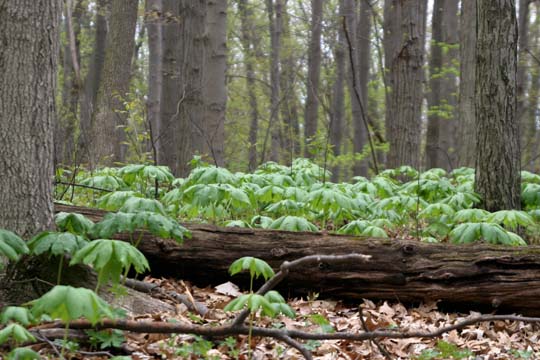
column 503, row 278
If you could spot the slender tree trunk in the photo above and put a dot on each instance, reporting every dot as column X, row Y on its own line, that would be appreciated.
column 67, row 122
column 467, row 80
column 289, row 100
column 246, row 19
column 29, row 34
column 215, row 90
column 497, row 135
column 314, row 74
column 273, row 7
column 153, row 19
column 192, row 135
column 338, row 98
column 93, row 78
column 109, row 120
column 531, row 142
column 441, row 99
column 363, row 34
column 171, row 92
column 404, row 36
column 521, row 80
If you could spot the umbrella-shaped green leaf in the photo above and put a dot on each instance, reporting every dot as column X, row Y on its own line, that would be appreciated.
column 17, row 333
column 11, row 246
column 137, row 204
column 17, row 314
column 73, row 222
column 115, row 200
column 293, row 223
column 56, row 243
column 256, row 267
column 110, row 258
column 23, row 353
column 68, row 303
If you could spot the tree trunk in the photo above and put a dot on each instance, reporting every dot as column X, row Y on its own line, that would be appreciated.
column 215, row 90
column 531, row 134
column 171, row 92
column 93, row 78
column 314, row 74
column 29, row 34
column 273, row 7
column 246, row 28
column 289, row 99
column 467, row 80
column 192, row 137
column 67, row 121
column 497, row 137
column 153, row 20
column 404, row 35
column 441, row 99
column 338, row 98
column 496, row 277
column 109, row 119
column 521, row 79
column 363, row 36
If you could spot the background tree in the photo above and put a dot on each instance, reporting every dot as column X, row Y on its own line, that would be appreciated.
column 404, row 35
column 109, row 119
column 497, row 136
column 29, row 33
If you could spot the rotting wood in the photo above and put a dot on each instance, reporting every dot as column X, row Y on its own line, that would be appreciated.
column 504, row 278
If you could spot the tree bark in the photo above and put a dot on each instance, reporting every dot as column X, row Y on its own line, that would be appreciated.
column 467, row 81
column 404, row 35
column 338, row 97
column 496, row 277
column 521, row 78
column 171, row 92
column 273, row 8
column 441, row 101
column 67, row 121
column 530, row 150
column 109, row 119
column 215, row 89
column 314, row 74
column 192, row 137
column 93, row 78
column 497, row 137
column 246, row 28
column 153, row 22
column 29, row 34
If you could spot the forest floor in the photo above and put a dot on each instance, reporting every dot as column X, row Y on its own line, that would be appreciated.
column 493, row 340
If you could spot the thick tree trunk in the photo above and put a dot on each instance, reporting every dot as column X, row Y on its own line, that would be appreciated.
column 93, row 78
column 467, row 80
column 314, row 74
column 497, row 135
column 404, row 35
column 215, row 90
column 153, row 20
column 530, row 150
column 192, row 137
column 498, row 277
column 171, row 92
column 246, row 27
column 29, row 34
column 109, row 119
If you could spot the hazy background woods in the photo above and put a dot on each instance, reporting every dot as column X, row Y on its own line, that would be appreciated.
column 242, row 82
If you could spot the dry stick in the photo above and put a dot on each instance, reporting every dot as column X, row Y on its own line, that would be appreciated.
column 359, row 99
column 237, row 327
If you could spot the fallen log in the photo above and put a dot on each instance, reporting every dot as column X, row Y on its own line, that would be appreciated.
column 496, row 277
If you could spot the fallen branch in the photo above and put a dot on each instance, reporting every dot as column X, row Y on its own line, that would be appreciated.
column 290, row 337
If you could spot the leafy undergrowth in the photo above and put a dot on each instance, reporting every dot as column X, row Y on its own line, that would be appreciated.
column 495, row 340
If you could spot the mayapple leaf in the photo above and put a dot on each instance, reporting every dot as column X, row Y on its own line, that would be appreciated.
column 68, row 303
column 56, row 243
column 11, row 245
column 73, row 222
